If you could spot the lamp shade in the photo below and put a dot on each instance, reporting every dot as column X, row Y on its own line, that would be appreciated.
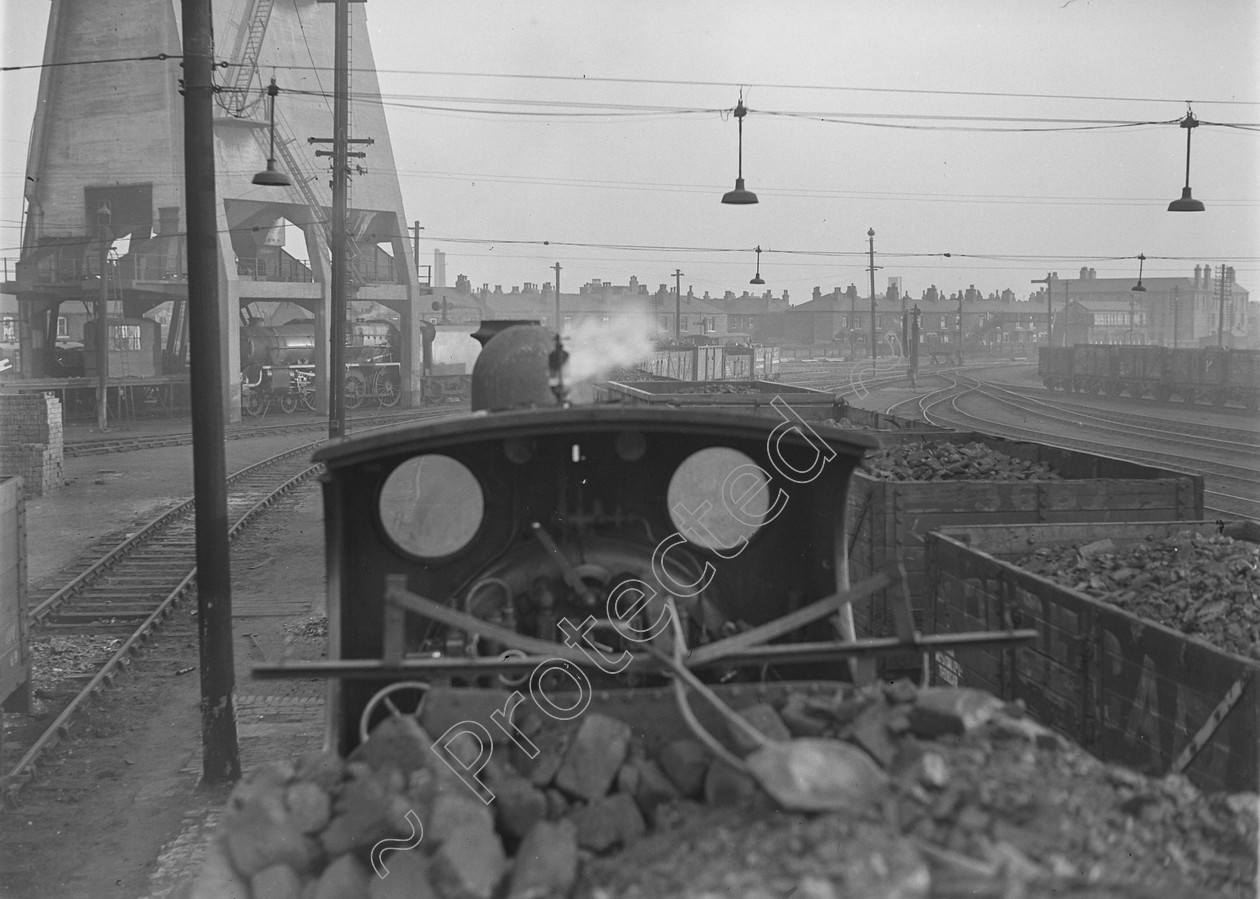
column 270, row 177
column 739, row 196
column 1187, row 203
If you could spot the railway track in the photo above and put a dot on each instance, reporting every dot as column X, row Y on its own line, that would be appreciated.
column 122, row 598
column 1227, row 458
column 134, row 587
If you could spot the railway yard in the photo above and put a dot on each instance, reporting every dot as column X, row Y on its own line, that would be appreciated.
column 101, row 777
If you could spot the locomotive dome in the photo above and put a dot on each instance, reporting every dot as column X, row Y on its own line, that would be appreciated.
column 512, row 371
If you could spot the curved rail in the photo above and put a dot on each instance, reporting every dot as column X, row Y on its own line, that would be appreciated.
column 142, row 536
column 25, row 767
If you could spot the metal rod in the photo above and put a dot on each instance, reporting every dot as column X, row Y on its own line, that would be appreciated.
column 1189, row 130
column 221, row 761
column 778, row 653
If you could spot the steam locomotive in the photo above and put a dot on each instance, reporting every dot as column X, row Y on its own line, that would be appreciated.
column 278, row 363
column 552, row 544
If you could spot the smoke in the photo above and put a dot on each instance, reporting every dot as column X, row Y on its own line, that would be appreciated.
column 595, row 348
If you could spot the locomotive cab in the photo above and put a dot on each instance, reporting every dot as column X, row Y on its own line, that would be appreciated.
column 570, row 550
column 575, row 526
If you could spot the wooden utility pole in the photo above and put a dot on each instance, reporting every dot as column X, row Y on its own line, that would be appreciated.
column 558, row 319
column 1220, row 319
column 1048, row 280
column 1067, row 320
column 221, row 762
column 678, row 304
column 416, row 229
column 870, row 236
column 102, row 327
column 914, row 347
column 961, row 295
column 341, row 166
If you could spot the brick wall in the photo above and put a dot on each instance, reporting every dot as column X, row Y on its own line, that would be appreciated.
column 31, row 441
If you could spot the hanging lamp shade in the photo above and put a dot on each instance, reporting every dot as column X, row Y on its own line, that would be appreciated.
column 1138, row 288
column 757, row 279
column 740, row 196
column 271, row 176
column 1187, row 203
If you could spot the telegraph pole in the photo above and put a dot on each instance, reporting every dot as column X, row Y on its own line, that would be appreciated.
column 557, row 268
column 415, row 242
column 1048, row 280
column 1220, row 319
column 678, row 304
column 914, row 347
column 102, row 328
column 1176, row 308
column 1067, row 290
column 337, row 240
column 341, row 165
column 961, row 295
column 221, row 762
column 870, row 236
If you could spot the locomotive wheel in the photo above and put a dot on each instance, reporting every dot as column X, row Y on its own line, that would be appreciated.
column 387, row 388
column 288, row 403
column 355, row 389
column 307, row 398
column 382, row 697
column 253, row 404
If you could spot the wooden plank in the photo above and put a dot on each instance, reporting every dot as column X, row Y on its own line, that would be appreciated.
column 1144, row 692
column 1211, row 725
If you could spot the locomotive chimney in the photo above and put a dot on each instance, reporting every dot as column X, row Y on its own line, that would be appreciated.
column 512, row 370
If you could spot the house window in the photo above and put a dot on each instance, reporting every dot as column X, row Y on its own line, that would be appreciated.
column 8, row 328
column 63, row 326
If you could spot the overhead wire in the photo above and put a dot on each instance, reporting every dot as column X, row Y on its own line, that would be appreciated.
column 591, row 109
column 678, row 82
column 157, row 57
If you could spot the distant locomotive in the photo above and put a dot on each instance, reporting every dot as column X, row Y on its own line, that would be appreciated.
column 278, row 362
column 1210, row 375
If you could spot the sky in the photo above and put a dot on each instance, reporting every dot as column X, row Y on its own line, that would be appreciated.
column 1018, row 137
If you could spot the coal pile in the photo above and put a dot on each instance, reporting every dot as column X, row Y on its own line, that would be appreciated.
column 941, row 461
column 973, row 800
column 1206, row 586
